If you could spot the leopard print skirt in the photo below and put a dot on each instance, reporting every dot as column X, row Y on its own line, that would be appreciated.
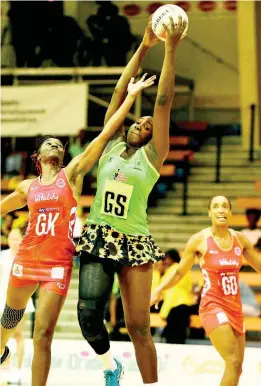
column 107, row 243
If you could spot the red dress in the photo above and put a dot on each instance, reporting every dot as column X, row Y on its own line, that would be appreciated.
column 46, row 252
column 220, row 299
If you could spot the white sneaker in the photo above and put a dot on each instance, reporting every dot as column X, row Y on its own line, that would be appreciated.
column 14, row 378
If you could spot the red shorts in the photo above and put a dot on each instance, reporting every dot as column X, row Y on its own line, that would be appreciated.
column 55, row 279
column 212, row 318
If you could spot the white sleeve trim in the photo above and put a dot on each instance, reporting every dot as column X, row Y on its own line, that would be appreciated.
column 150, row 164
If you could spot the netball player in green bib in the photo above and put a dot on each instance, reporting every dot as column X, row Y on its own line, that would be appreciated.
column 116, row 237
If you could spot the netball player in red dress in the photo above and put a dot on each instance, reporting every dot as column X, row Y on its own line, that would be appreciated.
column 220, row 251
column 45, row 256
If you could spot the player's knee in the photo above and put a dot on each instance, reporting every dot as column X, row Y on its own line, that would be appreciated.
column 235, row 363
column 11, row 317
column 19, row 336
column 137, row 330
column 43, row 337
column 90, row 319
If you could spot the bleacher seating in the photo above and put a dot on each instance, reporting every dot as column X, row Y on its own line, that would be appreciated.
column 240, row 221
column 248, row 202
column 257, row 186
column 251, row 323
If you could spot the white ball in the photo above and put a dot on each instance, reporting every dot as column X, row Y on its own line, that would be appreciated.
column 162, row 15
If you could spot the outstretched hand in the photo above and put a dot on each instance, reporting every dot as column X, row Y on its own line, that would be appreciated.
column 135, row 88
column 174, row 32
column 156, row 297
column 149, row 38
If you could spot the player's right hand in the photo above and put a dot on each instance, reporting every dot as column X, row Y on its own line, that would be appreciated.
column 174, row 32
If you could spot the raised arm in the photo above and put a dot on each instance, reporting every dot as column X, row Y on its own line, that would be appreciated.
column 249, row 252
column 17, row 199
column 183, row 267
column 131, row 70
column 84, row 162
column 158, row 148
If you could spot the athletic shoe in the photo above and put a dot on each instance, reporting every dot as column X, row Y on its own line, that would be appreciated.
column 5, row 355
column 14, row 378
column 112, row 378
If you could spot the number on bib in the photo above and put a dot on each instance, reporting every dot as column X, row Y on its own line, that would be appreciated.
column 72, row 222
column 116, row 199
column 229, row 285
column 45, row 223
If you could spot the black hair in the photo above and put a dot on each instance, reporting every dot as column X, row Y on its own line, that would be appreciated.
column 41, row 140
column 256, row 212
column 174, row 255
column 212, row 198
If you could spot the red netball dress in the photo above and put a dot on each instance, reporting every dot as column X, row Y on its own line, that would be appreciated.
column 220, row 299
column 46, row 252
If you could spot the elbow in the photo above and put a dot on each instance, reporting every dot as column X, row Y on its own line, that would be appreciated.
column 164, row 100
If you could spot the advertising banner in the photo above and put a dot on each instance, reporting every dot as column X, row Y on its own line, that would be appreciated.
column 53, row 109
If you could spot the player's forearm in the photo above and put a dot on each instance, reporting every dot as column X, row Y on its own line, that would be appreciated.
column 170, row 281
column 116, row 121
column 132, row 68
column 167, row 79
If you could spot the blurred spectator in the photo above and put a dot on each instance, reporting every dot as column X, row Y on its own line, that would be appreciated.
column 8, row 57
column 177, row 302
column 108, row 30
column 76, row 148
column 6, row 262
column 6, row 226
column 15, row 163
column 252, row 232
column 66, row 36
column 79, row 145
column 250, row 304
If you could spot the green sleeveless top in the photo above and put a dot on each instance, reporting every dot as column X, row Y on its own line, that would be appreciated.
column 123, row 187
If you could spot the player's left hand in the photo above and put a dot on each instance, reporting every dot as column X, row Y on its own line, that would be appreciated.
column 149, row 38
column 135, row 88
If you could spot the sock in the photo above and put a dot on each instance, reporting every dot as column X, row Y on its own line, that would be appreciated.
column 108, row 361
column 151, row 384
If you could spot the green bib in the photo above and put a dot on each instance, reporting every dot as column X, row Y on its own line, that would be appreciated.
column 123, row 187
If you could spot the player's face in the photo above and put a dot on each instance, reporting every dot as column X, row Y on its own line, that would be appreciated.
column 52, row 148
column 219, row 211
column 140, row 132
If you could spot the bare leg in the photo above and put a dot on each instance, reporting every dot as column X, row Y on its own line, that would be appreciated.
column 231, row 348
column 49, row 308
column 17, row 303
column 135, row 285
column 19, row 337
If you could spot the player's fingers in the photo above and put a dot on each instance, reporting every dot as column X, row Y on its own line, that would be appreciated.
column 143, row 77
column 180, row 27
column 172, row 24
column 166, row 28
column 151, row 79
